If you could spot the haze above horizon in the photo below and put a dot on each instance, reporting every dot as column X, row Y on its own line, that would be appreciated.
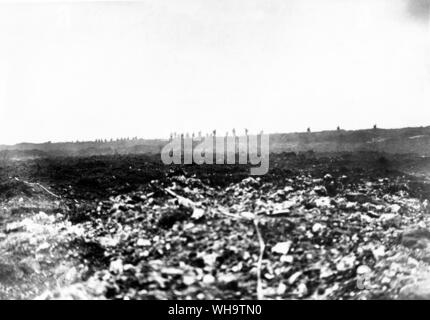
column 90, row 70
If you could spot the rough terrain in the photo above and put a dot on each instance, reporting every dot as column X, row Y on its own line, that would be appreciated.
column 329, row 226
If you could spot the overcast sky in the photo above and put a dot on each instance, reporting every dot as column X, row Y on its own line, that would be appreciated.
column 114, row 69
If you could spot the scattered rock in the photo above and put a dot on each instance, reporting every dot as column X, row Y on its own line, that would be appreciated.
column 208, row 279
column 198, row 213
column 294, row 277
column 323, row 202
column 395, row 208
column 282, row 288
column 390, row 220
column 287, row 259
column 346, row 263
column 43, row 247
column 282, row 247
column 302, row 290
column 116, row 266
column 188, row 280
column 317, row 227
column 172, row 271
column 363, row 269
column 14, row 227
column 320, row 190
column 143, row 242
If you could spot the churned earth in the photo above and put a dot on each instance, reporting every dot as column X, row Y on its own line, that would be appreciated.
column 334, row 226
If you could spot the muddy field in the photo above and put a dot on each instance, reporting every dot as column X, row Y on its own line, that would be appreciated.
column 326, row 226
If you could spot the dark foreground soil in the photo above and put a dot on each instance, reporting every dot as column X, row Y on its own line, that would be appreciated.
column 328, row 226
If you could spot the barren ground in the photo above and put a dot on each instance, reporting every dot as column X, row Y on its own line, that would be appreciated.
column 332, row 226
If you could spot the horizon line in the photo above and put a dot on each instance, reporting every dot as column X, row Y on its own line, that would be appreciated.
column 119, row 139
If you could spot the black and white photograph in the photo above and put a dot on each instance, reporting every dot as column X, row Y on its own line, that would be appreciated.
column 215, row 150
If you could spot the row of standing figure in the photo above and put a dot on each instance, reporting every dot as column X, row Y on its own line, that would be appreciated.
column 200, row 136
column 187, row 135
